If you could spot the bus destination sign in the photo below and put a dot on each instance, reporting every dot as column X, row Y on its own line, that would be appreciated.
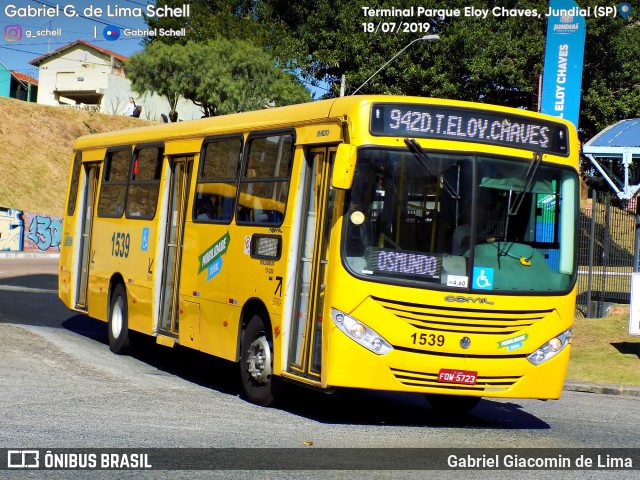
column 461, row 124
column 403, row 262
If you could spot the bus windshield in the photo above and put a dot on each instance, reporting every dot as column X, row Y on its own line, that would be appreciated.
column 461, row 221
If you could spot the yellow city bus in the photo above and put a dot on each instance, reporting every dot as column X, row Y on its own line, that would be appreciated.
column 374, row 242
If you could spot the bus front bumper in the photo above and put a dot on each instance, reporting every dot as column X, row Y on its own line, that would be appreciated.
column 353, row 366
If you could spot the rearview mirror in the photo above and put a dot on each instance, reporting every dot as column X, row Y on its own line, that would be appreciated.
column 344, row 166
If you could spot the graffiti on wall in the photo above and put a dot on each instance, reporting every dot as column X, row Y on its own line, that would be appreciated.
column 11, row 231
column 29, row 232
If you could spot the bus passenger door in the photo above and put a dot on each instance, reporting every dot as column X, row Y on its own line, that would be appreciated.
column 305, row 352
column 180, row 173
column 86, row 218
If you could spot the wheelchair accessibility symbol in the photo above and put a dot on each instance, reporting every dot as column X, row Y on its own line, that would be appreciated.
column 483, row 278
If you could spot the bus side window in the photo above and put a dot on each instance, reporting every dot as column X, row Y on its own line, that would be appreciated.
column 114, row 186
column 144, row 183
column 216, row 186
column 265, row 185
column 73, row 187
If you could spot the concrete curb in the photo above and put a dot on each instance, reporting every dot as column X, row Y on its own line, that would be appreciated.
column 15, row 255
column 627, row 390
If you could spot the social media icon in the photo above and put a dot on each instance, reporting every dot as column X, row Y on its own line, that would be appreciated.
column 13, row 33
column 111, row 33
column 624, row 9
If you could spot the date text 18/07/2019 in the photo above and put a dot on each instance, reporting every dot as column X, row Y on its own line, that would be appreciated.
column 396, row 27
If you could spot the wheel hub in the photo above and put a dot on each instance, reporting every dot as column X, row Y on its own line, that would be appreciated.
column 259, row 360
column 116, row 318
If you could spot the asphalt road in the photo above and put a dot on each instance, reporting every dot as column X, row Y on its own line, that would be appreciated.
column 63, row 388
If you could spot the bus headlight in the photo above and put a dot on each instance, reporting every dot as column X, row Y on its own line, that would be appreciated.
column 551, row 348
column 361, row 333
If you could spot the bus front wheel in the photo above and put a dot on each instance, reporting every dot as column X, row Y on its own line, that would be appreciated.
column 452, row 403
column 256, row 364
column 118, row 321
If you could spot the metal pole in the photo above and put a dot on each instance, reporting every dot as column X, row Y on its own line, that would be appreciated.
column 426, row 37
column 636, row 249
column 606, row 247
column 592, row 233
column 539, row 92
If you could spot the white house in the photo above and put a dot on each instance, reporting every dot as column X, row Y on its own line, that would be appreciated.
column 82, row 75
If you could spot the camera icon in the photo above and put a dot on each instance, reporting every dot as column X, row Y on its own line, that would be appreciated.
column 13, row 33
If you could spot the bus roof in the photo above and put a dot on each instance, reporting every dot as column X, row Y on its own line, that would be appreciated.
column 271, row 118
column 275, row 118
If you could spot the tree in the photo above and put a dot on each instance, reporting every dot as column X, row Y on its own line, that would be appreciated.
column 493, row 59
column 153, row 70
column 219, row 76
column 208, row 20
column 497, row 59
column 250, row 20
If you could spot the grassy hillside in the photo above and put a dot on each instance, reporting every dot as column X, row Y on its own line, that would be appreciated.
column 35, row 151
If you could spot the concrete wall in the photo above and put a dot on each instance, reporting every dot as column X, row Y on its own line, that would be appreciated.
column 83, row 69
column 117, row 97
column 80, row 68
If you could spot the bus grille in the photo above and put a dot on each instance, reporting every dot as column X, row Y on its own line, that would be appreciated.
column 463, row 320
column 483, row 384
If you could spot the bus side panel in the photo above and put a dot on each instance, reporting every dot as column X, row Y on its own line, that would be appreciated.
column 65, row 283
column 204, row 281
column 219, row 329
column 189, row 330
column 140, row 300
column 101, row 266
column 117, row 250
column 98, row 297
column 262, row 279
column 259, row 278
column 138, row 267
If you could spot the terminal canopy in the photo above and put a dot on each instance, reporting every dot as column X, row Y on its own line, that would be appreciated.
column 620, row 141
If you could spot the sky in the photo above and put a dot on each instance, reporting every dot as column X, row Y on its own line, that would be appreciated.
column 24, row 24
column 20, row 18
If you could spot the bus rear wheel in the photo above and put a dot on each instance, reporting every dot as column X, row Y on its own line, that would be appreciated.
column 452, row 403
column 256, row 364
column 118, row 321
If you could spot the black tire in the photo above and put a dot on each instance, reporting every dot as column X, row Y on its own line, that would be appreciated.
column 256, row 364
column 119, row 341
column 452, row 403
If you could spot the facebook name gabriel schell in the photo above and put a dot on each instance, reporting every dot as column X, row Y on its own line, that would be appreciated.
column 154, row 32
column 112, row 33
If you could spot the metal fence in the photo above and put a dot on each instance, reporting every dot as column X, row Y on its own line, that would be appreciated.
column 605, row 255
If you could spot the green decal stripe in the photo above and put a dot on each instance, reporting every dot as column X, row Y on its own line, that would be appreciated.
column 215, row 251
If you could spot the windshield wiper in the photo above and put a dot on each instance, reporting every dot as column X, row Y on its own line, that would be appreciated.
column 528, row 184
column 428, row 165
